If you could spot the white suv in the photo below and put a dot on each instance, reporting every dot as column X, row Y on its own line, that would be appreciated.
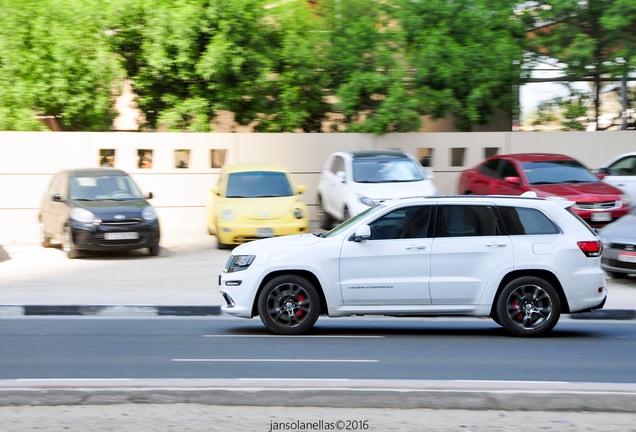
column 521, row 261
column 351, row 182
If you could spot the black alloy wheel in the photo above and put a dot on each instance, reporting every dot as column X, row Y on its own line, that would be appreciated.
column 528, row 306
column 289, row 305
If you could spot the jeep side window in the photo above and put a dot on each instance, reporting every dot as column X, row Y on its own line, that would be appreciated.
column 528, row 221
column 402, row 223
column 468, row 221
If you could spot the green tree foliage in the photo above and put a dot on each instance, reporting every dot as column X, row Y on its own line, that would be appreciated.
column 466, row 56
column 189, row 58
column 364, row 69
column 592, row 39
column 55, row 60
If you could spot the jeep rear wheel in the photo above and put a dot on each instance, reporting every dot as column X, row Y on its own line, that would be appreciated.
column 528, row 306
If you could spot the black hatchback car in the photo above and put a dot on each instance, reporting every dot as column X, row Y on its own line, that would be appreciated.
column 97, row 209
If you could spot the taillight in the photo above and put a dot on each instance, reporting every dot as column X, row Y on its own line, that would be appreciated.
column 591, row 248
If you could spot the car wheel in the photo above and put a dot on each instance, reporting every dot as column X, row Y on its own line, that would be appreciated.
column 67, row 244
column 616, row 275
column 528, row 306
column 154, row 250
column 325, row 220
column 289, row 305
column 45, row 240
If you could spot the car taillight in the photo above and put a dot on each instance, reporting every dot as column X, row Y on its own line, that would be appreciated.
column 591, row 248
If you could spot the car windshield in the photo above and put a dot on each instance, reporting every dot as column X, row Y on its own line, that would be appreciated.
column 372, row 170
column 556, row 172
column 103, row 187
column 346, row 224
column 258, row 184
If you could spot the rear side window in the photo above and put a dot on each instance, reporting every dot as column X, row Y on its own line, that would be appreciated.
column 526, row 221
column 468, row 221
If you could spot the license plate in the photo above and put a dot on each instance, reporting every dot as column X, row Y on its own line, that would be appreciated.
column 629, row 257
column 264, row 232
column 122, row 236
column 601, row 217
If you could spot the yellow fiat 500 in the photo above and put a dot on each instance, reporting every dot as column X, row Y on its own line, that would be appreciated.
column 254, row 201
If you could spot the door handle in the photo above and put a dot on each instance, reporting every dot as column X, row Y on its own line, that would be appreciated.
column 495, row 244
column 416, row 247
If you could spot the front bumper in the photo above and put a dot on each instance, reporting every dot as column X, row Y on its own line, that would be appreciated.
column 245, row 231
column 93, row 237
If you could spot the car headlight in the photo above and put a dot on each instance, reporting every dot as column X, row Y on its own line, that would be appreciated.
column 149, row 213
column 626, row 200
column 298, row 213
column 238, row 263
column 227, row 215
column 367, row 201
column 82, row 215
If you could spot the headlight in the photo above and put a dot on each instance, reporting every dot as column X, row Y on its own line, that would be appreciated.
column 239, row 263
column 227, row 215
column 367, row 201
column 82, row 215
column 626, row 200
column 149, row 213
column 298, row 213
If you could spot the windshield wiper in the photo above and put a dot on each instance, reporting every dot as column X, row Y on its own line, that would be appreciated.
column 543, row 183
column 321, row 235
column 83, row 199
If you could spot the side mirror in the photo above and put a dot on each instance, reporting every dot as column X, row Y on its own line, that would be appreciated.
column 150, row 195
column 601, row 176
column 215, row 190
column 362, row 233
column 57, row 198
column 301, row 188
column 513, row 180
column 341, row 176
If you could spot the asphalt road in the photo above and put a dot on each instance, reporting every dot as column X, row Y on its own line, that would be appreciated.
column 341, row 348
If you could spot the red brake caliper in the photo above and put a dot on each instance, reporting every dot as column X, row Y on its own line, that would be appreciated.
column 301, row 298
column 517, row 307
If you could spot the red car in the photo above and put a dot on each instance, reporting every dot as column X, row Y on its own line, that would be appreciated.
column 549, row 175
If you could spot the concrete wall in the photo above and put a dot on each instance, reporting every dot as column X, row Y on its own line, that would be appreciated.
column 29, row 159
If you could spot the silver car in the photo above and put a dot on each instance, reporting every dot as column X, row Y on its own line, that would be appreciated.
column 619, row 252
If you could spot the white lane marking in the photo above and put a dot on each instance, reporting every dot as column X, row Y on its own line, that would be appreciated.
column 299, row 336
column 276, row 360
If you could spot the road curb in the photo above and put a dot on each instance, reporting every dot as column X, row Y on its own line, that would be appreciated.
column 108, row 310
column 505, row 396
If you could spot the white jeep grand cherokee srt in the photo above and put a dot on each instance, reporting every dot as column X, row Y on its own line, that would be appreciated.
column 521, row 261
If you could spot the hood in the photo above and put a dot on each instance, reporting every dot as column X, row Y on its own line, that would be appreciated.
column 580, row 191
column 386, row 191
column 263, row 208
column 290, row 243
column 622, row 230
column 107, row 210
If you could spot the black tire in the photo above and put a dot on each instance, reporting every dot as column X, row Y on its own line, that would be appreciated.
column 616, row 275
column 154, row 250
column 346, row 214
column 326, row 222
column 67, row 244
column 528, row 306
column 223, row 246
column 289, row 305
column 45, row 239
